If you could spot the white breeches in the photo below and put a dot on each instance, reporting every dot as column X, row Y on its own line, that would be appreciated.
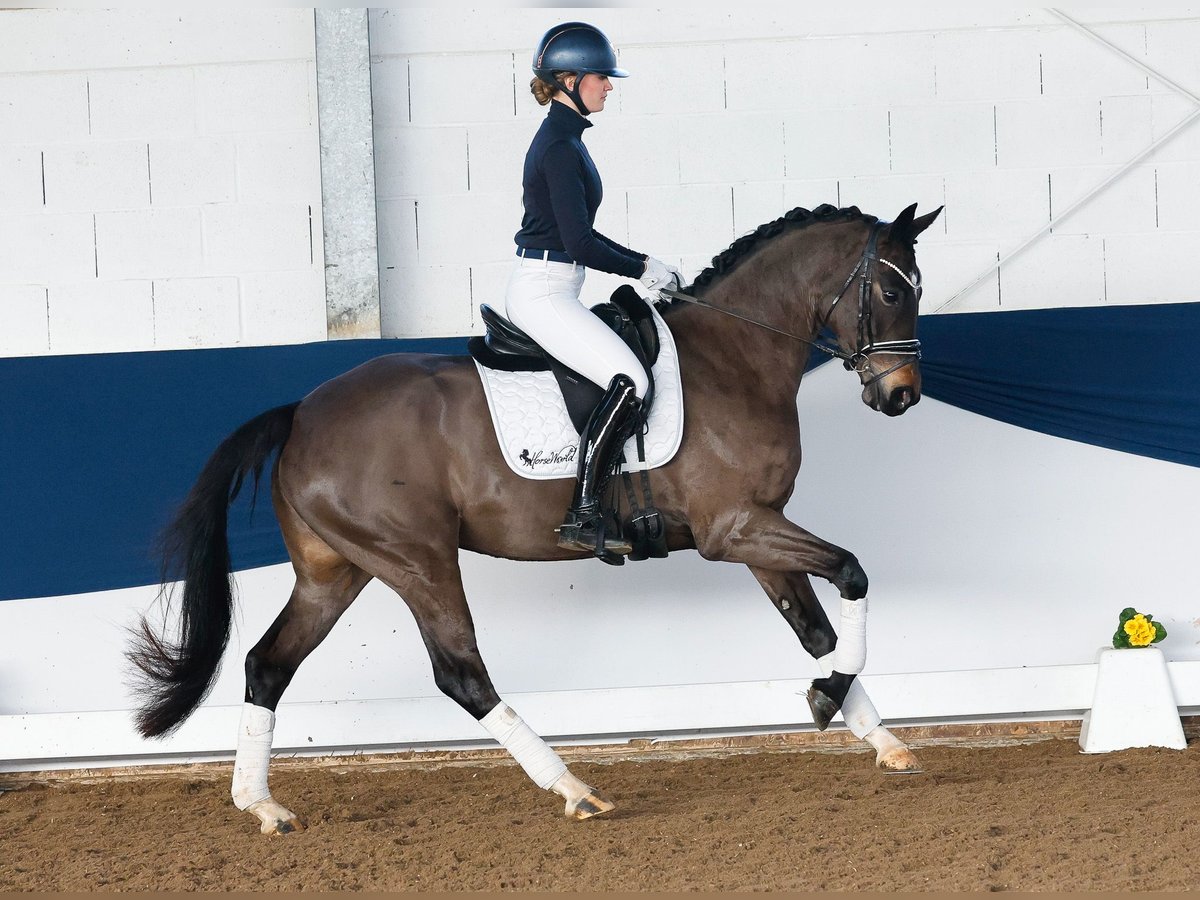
column 542, row 300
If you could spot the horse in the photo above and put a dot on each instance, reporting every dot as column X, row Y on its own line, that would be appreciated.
column 388, row 470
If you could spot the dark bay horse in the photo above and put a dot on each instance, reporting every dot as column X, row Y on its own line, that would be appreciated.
column 388, row 470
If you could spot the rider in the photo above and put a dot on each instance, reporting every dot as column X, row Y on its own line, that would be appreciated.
column 557, row 244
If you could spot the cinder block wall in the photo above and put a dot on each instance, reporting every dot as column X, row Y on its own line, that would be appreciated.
column 732, row 118
column 159, row 180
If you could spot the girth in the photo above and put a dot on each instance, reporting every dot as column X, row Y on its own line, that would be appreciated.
column 509, row 349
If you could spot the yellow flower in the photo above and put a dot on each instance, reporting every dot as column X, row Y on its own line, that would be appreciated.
column 1140, row 631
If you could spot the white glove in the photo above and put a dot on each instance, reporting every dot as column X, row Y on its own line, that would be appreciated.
column 660, row 275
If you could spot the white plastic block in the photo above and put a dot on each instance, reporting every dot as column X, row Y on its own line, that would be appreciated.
column 688, row 219
column 82, row 39
column 279, row 168
column 893, row 69
column 1170, row 111
column 411, row 162
column 837, row 142
column 256, row 237
column 1178, row 191
column 1057, row 270
column 629, row 151
column 885, row 196
column 192, row 172
column 1134, row 705
column 389, row 90
column 196, row 312
column 1171, row 49
column 496, row 153
column 42, row 107
column 20, row 177
column 143, row 103
column 426, row 301
column 1004, row 204
column 488, row 284
column 696, row 70
column 43, row 248
column 466, row 229
column 977, row 64
column 97, row 175
column 1127, row 204
column 943, row 138
column 756, row 204
column 947, row 267
column 1074, row 65
column 25, row 331
column 283, row 307
column 1144, row 268
column 1048, row 132
column 101, row 317
column 1126, row 127
column 451, row 90
column 810, row 193
column 397, row 223
column 148, row 243
column 275, row 96
column 744, row 147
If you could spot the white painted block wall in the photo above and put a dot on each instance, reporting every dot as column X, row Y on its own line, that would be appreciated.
column 732, row 118
column 159, row 180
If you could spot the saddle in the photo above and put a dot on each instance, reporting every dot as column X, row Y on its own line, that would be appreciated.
column 507, row 348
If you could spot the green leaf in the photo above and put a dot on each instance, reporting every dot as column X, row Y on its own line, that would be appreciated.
column 1127, row 613
column 1120, row 639
column 1160, row 632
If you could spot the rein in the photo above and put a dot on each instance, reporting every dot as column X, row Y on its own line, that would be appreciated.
column 859, row 360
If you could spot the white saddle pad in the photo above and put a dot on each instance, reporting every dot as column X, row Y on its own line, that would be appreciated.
column 536, row 435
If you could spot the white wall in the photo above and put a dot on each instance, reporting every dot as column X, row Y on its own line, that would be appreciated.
column 159, row 180
column 731, row 118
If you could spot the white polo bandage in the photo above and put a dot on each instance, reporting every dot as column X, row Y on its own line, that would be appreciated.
column 858, row 711
column 851, row 653
column 533, row 754
column 253, row 756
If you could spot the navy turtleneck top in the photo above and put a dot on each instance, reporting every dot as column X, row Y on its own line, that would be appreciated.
column 562, row 192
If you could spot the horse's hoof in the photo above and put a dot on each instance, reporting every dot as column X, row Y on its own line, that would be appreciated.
column 898, row 761
column 822, row 706
column 275, row 819
column 588, row 807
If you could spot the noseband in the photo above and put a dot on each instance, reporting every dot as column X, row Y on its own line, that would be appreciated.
column 859, row 360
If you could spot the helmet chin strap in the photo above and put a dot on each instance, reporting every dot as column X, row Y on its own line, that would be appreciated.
column 573, row 93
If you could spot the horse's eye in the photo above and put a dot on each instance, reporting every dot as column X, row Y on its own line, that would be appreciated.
column 890, row 297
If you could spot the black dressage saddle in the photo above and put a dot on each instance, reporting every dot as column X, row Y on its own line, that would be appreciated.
column 507, row 348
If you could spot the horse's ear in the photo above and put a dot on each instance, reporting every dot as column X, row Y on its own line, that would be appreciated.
column 905, row 229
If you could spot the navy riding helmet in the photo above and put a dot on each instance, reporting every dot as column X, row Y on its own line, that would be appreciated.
column 575, row 47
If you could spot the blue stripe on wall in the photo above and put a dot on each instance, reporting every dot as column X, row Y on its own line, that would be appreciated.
column 96, row 451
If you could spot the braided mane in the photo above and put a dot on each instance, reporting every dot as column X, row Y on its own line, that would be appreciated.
column 799, row 217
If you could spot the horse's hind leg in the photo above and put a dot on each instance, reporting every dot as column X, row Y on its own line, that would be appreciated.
column 326, row 584
column 428, row 579
column 793, row 596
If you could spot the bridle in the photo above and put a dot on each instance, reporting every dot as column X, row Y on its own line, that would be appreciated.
column 866, row 346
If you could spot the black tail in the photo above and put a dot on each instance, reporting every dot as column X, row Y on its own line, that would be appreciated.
column 177, row 676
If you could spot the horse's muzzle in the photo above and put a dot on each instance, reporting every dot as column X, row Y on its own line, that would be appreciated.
column 894, row 394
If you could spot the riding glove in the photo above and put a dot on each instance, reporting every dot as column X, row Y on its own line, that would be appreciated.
column 660, row 275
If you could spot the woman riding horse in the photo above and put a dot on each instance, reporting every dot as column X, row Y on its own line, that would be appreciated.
column 557, row 243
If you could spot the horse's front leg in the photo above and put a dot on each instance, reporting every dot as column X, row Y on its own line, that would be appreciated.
column 763, row 538
column 793, row 595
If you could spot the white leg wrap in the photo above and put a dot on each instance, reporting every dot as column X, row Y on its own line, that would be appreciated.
column 253, row 756
column 858, row 711
column 533, row 754
column 851, row 653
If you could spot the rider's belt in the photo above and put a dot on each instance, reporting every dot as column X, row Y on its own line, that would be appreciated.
column 546, row 255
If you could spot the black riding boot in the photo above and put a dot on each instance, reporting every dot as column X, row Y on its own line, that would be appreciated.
column 608, row 428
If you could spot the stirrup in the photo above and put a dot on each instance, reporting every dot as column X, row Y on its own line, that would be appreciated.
column 589, row 532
